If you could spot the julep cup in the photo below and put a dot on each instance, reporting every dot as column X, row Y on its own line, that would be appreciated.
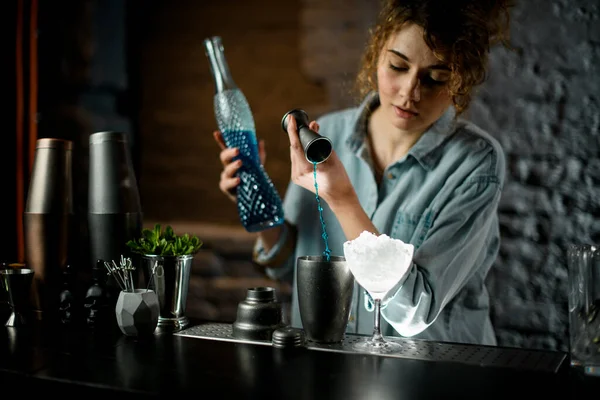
column 324, row 297
column 170, row 280
column 584, row 307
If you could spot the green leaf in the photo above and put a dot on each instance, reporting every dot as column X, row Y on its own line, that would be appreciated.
column 169, row 234
column 164, row 242
column 149, row 235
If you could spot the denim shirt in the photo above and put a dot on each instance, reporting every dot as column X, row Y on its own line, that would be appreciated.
column 442, row 197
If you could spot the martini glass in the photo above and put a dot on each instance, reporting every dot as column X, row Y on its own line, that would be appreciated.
column 378, row 264
column 376, row 343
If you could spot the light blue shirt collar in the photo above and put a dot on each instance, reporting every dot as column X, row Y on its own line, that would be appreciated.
column 424, row 151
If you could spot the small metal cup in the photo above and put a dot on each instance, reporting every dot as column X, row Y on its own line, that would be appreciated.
column 170, row 281
column 17, row 282
column 317, row 148
column 324, row 297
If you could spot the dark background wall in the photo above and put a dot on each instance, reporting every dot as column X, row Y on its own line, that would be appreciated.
column 541, row 102
column 144, row 71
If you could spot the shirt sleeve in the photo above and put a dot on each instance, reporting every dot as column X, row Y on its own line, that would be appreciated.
column 266, row 258
column 456, row 246
column 279, row 260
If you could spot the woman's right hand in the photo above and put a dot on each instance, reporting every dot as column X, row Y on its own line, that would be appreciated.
column 229, row 179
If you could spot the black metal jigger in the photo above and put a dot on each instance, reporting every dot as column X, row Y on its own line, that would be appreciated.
column 317, row 148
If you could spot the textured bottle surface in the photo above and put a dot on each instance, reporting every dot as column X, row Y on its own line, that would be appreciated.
column 236, row 123
column 259, row 205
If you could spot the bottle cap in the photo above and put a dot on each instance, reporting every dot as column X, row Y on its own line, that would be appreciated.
column 288, row 337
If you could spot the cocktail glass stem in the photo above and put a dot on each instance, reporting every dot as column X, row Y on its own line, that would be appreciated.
column 376, row 343
column 377, row 338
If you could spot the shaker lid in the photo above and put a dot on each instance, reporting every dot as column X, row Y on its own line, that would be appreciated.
column 107, row 136
column 54, row 143
column 261, row 294
column 288, row 337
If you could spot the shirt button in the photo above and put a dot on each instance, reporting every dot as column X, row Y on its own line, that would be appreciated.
column 391, row 176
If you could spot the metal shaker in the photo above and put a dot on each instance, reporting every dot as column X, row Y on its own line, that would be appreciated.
column 317, row 148
column 114, row 206
column 325, row 290
column 48, row 222
column 258, row 315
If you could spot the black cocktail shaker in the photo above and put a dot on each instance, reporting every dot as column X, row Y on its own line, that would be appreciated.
column 114, row 207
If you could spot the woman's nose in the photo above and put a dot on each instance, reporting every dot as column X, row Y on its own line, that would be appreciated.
column 412, row 88
column 416, row 92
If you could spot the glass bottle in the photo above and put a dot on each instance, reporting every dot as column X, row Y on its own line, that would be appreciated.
column 258, row 202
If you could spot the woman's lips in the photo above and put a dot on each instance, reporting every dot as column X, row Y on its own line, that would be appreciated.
column 406, row 114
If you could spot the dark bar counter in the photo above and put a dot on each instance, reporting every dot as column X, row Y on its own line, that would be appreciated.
column 44, row 360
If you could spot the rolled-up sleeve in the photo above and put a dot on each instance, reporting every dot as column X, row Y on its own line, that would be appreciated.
column 279, row 260
column 267, row 258
column 455, row 247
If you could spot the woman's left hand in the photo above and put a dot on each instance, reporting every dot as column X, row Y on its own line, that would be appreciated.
column 333, row 181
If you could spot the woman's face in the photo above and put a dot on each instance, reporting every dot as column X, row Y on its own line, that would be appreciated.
column 412, row 82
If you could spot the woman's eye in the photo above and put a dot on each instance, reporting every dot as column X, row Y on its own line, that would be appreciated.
column 430, row 81
column 398, row 68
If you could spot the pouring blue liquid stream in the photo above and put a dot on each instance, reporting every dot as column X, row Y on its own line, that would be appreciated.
column 327, row 252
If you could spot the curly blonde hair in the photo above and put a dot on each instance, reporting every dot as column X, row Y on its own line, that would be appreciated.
column 460, row 33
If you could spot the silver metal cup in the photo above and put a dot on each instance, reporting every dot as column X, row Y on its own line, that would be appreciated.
column 324, row 297
column 169, row 277
column 317, row 148
column 17, row 282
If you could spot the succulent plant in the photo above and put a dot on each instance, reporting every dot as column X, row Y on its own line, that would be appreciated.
column 164, row 242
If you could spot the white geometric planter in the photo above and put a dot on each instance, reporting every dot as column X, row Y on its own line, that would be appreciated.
column 137, row 312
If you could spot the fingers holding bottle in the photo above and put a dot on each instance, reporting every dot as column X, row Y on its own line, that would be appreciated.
column 219, row 139
column 229, row 180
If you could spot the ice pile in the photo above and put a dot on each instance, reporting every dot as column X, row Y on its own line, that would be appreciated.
column 378, row 262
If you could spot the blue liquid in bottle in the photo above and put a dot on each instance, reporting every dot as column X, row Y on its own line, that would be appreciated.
column 258, row 202
column 327, row 252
